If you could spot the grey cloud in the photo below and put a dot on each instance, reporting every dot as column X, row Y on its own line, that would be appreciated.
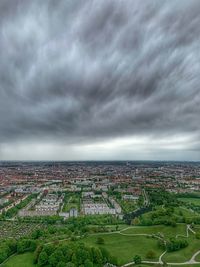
column 78, row 71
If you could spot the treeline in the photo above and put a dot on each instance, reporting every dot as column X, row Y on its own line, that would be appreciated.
column 160, row 196
column 2, row 206
column 9, row 247
column 188, row 195
column 129, row 217
column 79, row 221
column 72, row 255
column 168, row 217
column 173, row 244
column 14, row 210
column 71, row 232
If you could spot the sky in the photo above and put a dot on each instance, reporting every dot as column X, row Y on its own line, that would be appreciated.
column 99, row 80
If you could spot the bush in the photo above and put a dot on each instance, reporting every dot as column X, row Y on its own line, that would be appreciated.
column 26, row 245
column 100, row 241
column 151, row 254
column 137, row 259
column 198, row 235
column 43, row 259
column 176, row 244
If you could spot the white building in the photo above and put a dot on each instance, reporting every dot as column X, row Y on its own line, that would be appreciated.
column 97, row 208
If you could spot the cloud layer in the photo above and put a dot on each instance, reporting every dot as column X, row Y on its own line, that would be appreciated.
column 80, row 72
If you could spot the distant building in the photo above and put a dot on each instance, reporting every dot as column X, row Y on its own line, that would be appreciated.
column 73, row 212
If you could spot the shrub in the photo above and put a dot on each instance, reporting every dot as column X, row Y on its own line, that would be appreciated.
column 151, row 254
column 137, row 259
column 100, row 241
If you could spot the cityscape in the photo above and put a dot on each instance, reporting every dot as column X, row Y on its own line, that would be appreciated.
column 99, row 133
column 46, row 205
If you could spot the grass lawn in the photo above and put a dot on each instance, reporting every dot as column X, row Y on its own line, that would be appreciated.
column 167, row 231
column 69, row 206
column 184, row 254
column 198, row 256
column 124, row 248
column 22, row 260
column 185, row 212
column 195, row 201
column 111, row 227
column 157, row 265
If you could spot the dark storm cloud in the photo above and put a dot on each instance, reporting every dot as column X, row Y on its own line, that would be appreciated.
column 82, row 70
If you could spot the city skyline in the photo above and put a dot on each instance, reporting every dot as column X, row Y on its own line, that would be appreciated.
column 99, row 80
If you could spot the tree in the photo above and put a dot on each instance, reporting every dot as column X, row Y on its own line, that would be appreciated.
column 37, row 253
column 3, row 256
column 97, row 255
column 26, row 245
column 70, row 264
column 176, row 244
column 81, row 255
column 56, row 257
column 37, row 234
column 135, row 221
column 100, row 241
column 61, row 264
column 105, row 254
column 88, row 263
column 198, row 235
column 137, row 259
column 43, row 258
column 67, row 252
column 151, row 254
column 49, row 249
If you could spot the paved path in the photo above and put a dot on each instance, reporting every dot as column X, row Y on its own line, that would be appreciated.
column 146, row 200
column 190, row 262
column 191, row 230
column 160, row 258
column 1, row 264
column 160, row 261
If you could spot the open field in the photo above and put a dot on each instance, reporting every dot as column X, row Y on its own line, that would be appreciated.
column 166, row 231
column 111, row 227
column 198, row 257
column 178, row 213
column 195, row 201
column 22, row 260
column 71, row 201
column 125, row 247
column 184, row 254
column 26, row 260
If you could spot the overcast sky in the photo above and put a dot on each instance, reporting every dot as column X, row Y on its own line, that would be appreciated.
column 101, row 79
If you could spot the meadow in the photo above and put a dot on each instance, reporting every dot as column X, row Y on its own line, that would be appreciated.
column 124, row 247
column 127, row 243
column 195, row 201
column 184, row 254
column 166, row 231
column 22, row 260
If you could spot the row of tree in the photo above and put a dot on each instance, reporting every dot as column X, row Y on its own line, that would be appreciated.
column 14, row 210
column 72, row 255
column 9, row 247
column 173, row 244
